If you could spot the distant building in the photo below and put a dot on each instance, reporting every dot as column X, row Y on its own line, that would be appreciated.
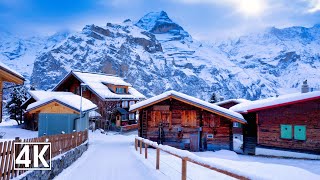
column 185, row 122
column 287, row 125
column 8, row 75
column 57, row 112
column 112, row 94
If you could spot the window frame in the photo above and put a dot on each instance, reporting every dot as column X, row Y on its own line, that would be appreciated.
column 124, row 104
column 132, row 115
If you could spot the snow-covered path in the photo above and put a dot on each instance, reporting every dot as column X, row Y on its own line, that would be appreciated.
column 108, row 157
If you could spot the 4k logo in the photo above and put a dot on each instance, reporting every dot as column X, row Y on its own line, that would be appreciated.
column 32, row 156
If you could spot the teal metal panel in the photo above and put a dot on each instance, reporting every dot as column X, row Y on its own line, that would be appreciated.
column 286, row 131
column 300, row 133
column 50, row 124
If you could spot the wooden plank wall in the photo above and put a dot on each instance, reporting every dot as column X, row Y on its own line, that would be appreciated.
column 190, row 119
column 307, row 113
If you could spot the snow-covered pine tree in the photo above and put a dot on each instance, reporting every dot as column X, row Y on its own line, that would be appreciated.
column 17, row 97
column 214, row 98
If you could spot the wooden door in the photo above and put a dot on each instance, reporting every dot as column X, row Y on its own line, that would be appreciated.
column 194, row 142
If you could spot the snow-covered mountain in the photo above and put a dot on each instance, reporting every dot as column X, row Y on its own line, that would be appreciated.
column 20, row 53
column 156, row 54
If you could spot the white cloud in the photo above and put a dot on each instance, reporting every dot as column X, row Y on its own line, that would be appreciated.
column 314, row 6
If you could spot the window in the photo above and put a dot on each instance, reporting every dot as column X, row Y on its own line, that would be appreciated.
column 124, row 104
column 286, row 131
column 120, row 90
column 118, row 104
column 131, row 116
column 131, row 103
column 236, row 125
column 300, row 133
column 123, row 117
column 189, row 118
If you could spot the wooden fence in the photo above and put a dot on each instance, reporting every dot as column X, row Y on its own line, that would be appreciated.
column 59, row 144
column 140, row 142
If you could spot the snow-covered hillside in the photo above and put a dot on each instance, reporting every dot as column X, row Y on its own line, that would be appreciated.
column 156, row 54
column 19, row 53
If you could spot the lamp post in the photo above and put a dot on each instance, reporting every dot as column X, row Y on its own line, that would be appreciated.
column 82, row 87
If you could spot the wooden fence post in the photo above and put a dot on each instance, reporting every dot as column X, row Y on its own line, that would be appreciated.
column 145, row 150
column 136, row 144
column 140, row 146
column 158, row 159
column 184, row 169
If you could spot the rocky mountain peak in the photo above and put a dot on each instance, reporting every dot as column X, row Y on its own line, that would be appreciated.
column 160, row 23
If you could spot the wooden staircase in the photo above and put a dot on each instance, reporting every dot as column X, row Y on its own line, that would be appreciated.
column 144, row 124
column 249, row 145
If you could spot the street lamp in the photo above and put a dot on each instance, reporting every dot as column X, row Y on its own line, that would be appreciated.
column 83, row 87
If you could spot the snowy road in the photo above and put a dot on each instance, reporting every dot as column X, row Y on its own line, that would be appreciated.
column 108, row 157
column 113, row 157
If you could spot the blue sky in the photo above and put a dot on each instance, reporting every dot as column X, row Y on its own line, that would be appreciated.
column 204, row 19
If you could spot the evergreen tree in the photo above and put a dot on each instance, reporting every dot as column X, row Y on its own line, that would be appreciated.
column 17, row 97
column 214, row 98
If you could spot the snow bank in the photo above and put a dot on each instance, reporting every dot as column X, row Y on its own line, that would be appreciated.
column 191, row 99
column 280, row 153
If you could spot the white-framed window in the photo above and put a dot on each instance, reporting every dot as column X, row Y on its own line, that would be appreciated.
column 124, row 104
column 131, row 103
column 120, row 90
column 236, row 124
column 118, row 104
column 131, row 116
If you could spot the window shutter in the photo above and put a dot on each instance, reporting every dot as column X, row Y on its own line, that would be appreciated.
column 300, row 133
column 286, row 131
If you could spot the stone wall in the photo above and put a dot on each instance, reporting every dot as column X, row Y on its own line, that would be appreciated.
column 59, row 163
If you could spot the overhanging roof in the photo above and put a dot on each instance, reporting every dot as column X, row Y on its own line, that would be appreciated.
column 192, row 101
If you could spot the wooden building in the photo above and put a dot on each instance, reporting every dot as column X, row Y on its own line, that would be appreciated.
column 287, row 125
column 186, row 122
column 57, row 112
column 8, row 75
column 107, row 91
column 237, row 127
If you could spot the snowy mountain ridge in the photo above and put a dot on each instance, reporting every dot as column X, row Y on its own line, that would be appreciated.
column 156, row 54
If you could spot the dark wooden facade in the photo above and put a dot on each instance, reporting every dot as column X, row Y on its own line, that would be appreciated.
column 227, row 105
column 185, row 126
column 105, row 107
column 301, row 114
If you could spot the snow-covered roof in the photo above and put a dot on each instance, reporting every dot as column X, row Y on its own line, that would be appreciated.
column 238, row 101
column 66, row 98
column 40, row 95
column 6, row 68
column 195, row 101
column 94, row 114
column 97, row 83
column 275, row 101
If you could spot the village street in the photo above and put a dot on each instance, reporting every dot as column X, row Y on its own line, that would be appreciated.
column 113, row 157
column 108, row 157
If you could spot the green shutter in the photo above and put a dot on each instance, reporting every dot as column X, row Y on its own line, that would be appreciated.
column 286, row 131
column 300, row 133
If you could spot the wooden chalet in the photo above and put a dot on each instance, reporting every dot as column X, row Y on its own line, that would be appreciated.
column 111, row 94
column 8, row 75
column 57, row 112
column 186, row 122
column 288, row 125
column 237, row 127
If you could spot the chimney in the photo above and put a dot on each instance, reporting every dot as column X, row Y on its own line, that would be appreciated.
column 305, row 87
column 221, row 98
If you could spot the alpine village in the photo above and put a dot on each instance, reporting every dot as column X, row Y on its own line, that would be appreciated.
column 86, row 109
